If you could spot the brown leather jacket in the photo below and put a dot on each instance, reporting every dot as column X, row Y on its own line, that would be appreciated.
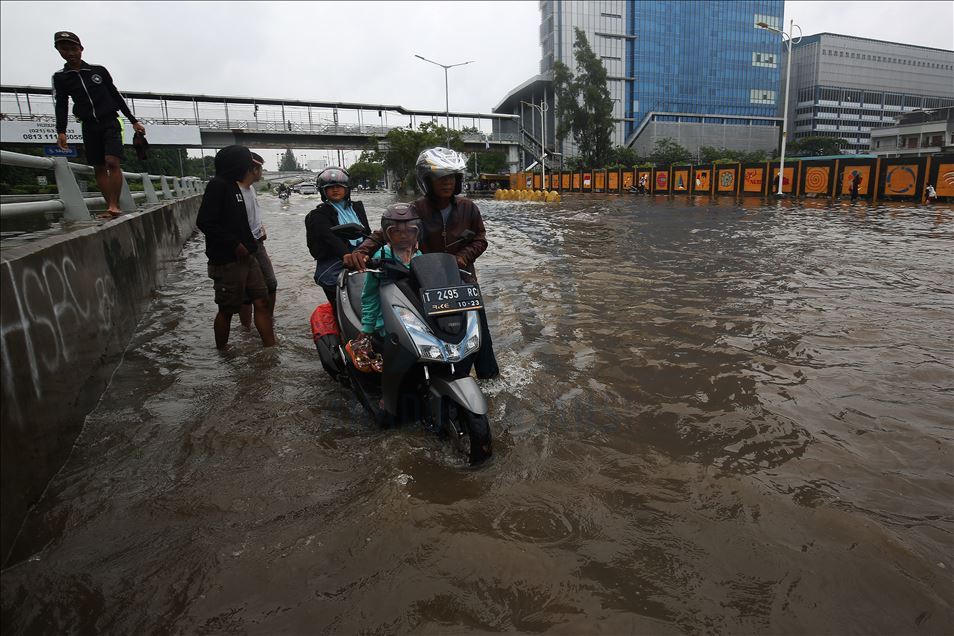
column 464, row 215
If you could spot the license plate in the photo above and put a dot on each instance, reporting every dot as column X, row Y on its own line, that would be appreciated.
column 451, row 300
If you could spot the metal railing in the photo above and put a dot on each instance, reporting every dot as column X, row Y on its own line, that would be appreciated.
column 74, row 204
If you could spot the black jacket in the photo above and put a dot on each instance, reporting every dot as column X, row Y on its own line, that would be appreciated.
column 322, row 244
column 94, row 95
column 224, row 221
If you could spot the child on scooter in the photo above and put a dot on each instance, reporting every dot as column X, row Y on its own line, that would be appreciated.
column 402, row 229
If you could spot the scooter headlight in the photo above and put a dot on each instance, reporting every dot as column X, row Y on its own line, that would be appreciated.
column 412, row 322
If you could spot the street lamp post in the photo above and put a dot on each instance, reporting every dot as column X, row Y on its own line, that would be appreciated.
column 446, row 91
column 788, row 78
column 543, row 137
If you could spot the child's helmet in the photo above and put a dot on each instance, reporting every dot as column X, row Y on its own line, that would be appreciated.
column 401, row 213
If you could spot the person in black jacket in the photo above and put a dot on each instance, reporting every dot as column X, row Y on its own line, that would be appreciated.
column 95, row 103
column 337, row 208
column 230, row 246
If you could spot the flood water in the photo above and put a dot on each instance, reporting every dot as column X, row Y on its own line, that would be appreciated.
column 712, row 418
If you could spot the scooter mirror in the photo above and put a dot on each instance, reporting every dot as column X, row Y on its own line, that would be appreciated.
column 465, row 237
column 348, row 231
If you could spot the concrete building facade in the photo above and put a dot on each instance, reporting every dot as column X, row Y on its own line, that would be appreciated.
column 700, row 73
column 845, row 87
column 915, row 134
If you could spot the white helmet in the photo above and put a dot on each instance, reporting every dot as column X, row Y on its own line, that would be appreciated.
column 435, row 163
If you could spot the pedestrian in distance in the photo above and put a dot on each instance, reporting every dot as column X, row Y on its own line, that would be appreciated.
column 337, row 208
column 231, row 246
column 96, row 102
column 247, row 186
column 855, row 185
column 445, row 216
column 930, row 193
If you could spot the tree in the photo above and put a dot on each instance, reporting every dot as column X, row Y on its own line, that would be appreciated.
column 816, row 146
column 667, row 151
column 289, row 163
column 366, row 173
column 584, row 107
column 708, row 154
column 624, row 157
column 487, row 163
column 401, row 146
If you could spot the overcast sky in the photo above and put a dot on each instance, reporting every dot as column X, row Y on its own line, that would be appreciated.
column 353, row 51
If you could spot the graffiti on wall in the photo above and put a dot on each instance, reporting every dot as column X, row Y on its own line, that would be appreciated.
column 49, row 304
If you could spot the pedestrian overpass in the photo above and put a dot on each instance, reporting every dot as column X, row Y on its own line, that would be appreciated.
column 216, row 121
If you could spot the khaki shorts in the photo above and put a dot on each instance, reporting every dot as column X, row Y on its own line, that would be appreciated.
column 234, row 281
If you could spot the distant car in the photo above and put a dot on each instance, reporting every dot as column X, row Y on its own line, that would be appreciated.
column 307, row 188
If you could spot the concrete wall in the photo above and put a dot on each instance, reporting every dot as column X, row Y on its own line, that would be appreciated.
column 70, row 305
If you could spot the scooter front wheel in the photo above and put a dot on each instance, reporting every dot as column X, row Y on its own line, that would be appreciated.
column 477, row 429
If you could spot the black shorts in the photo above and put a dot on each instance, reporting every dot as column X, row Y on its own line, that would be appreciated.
column 102, row 138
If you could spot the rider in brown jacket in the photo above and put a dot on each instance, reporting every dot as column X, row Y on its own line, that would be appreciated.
column 440, row 174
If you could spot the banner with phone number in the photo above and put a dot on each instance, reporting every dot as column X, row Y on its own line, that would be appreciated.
column 44, row 132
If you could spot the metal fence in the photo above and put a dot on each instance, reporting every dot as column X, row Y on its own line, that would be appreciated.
column 74, row 204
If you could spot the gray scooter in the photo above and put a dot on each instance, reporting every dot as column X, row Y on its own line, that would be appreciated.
column 430, row 316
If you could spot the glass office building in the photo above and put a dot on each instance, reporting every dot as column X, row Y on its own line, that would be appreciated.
column 702, row 73
column 701, row 58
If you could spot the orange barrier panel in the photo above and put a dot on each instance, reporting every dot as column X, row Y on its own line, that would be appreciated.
column 788, row 181
column 661, row 180
column 945, row 180
column 702, row 181
column 680, row 180
column 599, row 180
column 752, row 181
column 725, row 180
column 848, row 172
column 816, row 179
column 577, row 181
column 612, row 180
column 629, row 179
column 587, row 180
column 565, row 181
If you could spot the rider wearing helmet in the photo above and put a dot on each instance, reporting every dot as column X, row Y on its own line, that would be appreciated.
column 336, row 208
column 445, row 217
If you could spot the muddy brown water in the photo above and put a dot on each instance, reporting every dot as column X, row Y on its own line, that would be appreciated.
column 712, row 418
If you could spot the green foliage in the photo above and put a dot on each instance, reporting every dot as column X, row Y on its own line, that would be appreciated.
column 289, row 163
column 366, row 173
column 401, row 146
column 667, row 152
column 815, row 147
column 487, row 163
column 623, row 157
column 584, row 105
column 708, row 154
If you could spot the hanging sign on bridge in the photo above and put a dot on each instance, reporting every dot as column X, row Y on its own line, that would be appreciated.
column 44, row 132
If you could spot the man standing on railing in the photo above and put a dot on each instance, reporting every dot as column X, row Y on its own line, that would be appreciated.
column 95, row 103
